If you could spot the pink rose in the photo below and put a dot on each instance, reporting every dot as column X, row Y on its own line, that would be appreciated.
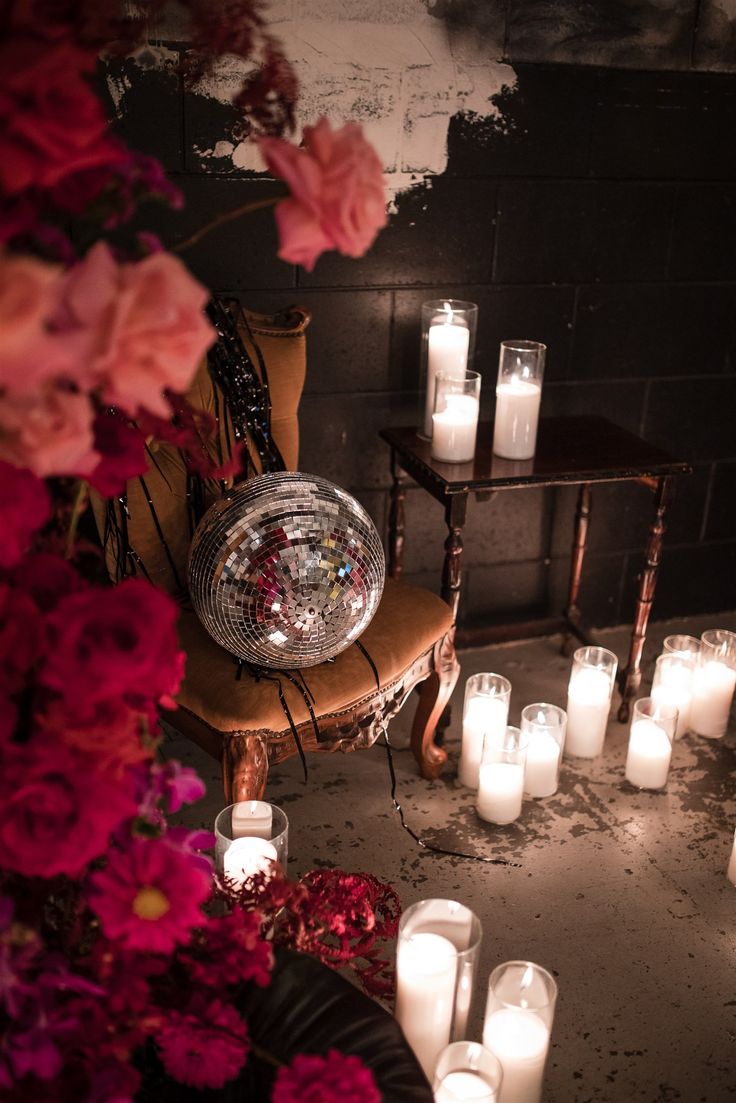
column 114, row 643
column 49, row 431
column 51, row 122
column 145, row 323
column 24, row 506
column 56, row 811
column 337, row 193
column 29, row 353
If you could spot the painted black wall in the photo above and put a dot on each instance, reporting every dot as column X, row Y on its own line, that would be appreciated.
column 600, row 218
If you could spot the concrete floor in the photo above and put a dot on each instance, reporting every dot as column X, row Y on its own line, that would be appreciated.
column 621, row 894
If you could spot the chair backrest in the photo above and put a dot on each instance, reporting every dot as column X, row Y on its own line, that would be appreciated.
column 149, row 533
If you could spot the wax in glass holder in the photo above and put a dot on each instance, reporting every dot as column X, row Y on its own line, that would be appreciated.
column 448, row 345
column 501, row 776
column 436, row 959
column 467, row 1072
column 517, row 1027
column 545, row 727
column 486, row 708
column 455, row 417
column 650, row 743
column 518, row 398
column 713, row 683
column 731, row 868
column 673, row 685
column 683, row 646
column 249, row 836
column 589, row 700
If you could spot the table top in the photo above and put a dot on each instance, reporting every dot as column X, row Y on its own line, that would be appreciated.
column 569, row 450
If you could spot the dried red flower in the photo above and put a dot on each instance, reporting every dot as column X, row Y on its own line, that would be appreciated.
column 334, row 1078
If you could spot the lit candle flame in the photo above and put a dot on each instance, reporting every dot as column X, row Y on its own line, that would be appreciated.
column 540, row 717
column 448, row 311
column 526, row 982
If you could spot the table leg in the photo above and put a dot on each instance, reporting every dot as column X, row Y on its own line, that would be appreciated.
column 630, row 677
column 455, row 512
column 582, row 522
column 396, row 520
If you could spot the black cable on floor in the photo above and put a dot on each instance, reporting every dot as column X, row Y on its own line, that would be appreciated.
column 422, row 842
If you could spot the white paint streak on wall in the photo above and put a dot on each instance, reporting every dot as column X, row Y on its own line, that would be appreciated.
column 402, row 82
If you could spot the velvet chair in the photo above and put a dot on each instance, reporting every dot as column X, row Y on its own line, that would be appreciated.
column 239, row 718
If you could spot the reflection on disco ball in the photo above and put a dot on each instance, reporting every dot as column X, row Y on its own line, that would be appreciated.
column 286, row 570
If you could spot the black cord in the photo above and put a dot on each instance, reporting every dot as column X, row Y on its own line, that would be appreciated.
column 422, row 842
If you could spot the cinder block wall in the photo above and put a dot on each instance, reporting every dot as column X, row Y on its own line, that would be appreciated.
column 574, row 173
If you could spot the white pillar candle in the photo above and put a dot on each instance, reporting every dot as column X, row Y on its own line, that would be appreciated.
column 713, row 686
column 520, row 1040
column 483, row 714
column 542, row 764
column 246, row 857
column 517, row 414
column 454, row 430
column 461, row 1087
column 500, row 791
column 670, row 692
column 588, row 703
column 648, row 756
column 731, row 871
column 252, row 818
column 426, row 966
column 447, row 352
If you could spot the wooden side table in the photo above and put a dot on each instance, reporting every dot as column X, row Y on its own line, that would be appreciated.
column 570, row 451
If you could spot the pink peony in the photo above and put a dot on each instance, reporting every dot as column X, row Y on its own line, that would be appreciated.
column 49, row 432
column 56, row 811
column 24, row 506
column 145, row 324
column 116, row 643
column 331, row 1079
column 51, row 122
column 148, row 897
column 337, row 197
column 206, row 1046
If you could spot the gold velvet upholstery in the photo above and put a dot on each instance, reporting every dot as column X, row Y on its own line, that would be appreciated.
column 238, row 716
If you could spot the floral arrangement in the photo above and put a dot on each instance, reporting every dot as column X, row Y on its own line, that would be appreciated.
column 116, row 941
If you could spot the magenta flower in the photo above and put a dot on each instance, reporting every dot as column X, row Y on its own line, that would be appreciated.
column 56, row 811
column 148, row 897
column 206, row 1046
column 24, row 506
column 331, row 1079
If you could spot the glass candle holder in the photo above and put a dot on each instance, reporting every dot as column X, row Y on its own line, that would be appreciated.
column 467, row 1071
column 501, row 776
column 685, row 647
column 517, row 1027
column 518, row 397
column 650, row 743
column 455, row 417
column 731, row 868
column 673, row 685
column 436, row 958
column 545, row 727
column 448, row 345
column 592, row 679
column 486, row 708
column 248, row 836
column 713, row 683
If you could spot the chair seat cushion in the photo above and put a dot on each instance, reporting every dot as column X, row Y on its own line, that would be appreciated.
column 407, row 623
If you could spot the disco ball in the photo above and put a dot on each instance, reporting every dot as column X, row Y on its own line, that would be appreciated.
column 286, row 570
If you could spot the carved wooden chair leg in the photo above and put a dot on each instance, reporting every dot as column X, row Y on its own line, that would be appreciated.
column 435, row 694
column 244, row 766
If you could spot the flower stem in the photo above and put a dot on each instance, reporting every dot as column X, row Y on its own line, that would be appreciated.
column 221, row 219
column 263, row 1055
column 77, row 508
